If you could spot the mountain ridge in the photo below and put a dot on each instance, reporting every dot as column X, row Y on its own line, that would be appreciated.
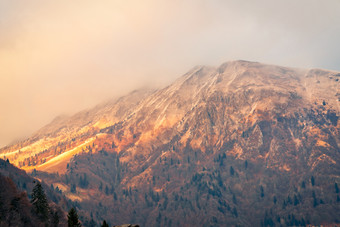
column 188, row 82
column 219, row 68
column 210, row 134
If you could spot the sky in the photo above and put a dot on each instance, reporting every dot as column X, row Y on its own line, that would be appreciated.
column 59, row 57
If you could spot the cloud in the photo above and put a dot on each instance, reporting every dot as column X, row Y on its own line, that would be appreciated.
column 62, row 56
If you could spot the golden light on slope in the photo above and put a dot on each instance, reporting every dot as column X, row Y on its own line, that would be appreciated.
column 59, row 163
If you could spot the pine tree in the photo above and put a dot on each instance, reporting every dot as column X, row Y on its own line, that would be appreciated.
column 232, row 171
column 312, row 180
column 296, row 200
column 104, row 224
column 39, row 202
column 262, row 191
column 72, row 218
column 274, row 199
column 55, row 219
column 303, row 184
column 92, row 222
column 336, row 187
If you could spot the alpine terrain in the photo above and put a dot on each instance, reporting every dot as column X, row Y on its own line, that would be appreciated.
column 242, row 144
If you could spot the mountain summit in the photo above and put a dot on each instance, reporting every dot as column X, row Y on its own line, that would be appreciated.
column 241, row 143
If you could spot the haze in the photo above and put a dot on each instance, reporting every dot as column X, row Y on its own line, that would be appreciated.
column 59, row 57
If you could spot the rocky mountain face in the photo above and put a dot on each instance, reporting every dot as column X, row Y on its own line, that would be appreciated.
column 241, row 144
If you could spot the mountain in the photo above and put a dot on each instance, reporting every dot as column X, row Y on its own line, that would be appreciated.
column 240, row 144
column 54, row 145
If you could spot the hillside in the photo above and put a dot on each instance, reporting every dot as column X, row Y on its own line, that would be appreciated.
column 15, row 195
column 15, row 209
column 54, row 145
column 239, row 144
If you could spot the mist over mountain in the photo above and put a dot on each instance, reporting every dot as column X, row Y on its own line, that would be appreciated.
column 240, row 144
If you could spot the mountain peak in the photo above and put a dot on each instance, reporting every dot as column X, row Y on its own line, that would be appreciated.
column 219, row 141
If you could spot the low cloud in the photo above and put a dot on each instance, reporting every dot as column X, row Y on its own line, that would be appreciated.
column 60, row 57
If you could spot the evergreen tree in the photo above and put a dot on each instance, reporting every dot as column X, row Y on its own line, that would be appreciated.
column 83, row 181
column 232, row 171
column 234, row 199
column 72, row 218
column 303, row 184
column 312, row 180
column 235, row 212
column 262, row 191
column 296, row 200
column 336, row 187
column 106, row 190
column 274, row 199
column 105, row 224
column 73, row 188
column 55, row 219
column 92, row 222
column 39, row 202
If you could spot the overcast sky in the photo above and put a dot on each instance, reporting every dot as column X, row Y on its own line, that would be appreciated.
column 58, row 57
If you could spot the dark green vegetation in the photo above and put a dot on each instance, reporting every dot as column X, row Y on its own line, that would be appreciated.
column 26, row 183
column 16, row 209
column 39, row 202
column 72, row 218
